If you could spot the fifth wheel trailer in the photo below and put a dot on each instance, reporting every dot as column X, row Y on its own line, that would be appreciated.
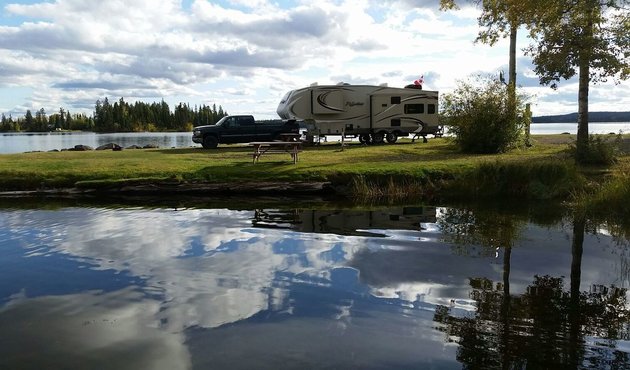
column 373, row 113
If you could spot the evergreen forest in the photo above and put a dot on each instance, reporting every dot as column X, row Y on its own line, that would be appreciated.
column 120, row 116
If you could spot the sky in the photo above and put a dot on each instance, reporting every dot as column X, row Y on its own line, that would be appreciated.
column 244, row 55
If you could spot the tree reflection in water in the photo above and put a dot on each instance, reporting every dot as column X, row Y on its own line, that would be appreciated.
column 549, row 326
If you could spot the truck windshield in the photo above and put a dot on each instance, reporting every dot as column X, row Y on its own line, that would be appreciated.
column 220, row 122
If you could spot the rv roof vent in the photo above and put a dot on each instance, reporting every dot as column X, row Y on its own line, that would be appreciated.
column 383, row 84
column 314, row 84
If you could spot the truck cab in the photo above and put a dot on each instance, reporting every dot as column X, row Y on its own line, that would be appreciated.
column 241, row 129
column 237, row 129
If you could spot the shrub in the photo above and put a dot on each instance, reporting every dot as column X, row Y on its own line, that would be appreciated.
column 545, row 179
column 599, row 151
column 478, row 114
column 188, row 126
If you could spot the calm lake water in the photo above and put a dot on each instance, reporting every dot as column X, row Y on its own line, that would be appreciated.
column 24, row 142
column 291, row 286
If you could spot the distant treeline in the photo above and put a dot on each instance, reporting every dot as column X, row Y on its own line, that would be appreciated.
column 118, row 117
column 592, row 117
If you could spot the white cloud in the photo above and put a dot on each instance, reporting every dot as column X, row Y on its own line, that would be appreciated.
column 74, row 51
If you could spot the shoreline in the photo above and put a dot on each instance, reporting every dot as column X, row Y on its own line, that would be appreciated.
column 165, row 188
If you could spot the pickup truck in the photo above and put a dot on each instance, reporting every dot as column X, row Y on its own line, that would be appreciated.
column 242, row 129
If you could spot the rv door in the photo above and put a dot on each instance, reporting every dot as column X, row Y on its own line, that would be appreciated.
column 384, row 111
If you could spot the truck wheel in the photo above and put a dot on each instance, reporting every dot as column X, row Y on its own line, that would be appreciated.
column 377, row 138
column 365, row 139
column 391, row 137
column 210, row 142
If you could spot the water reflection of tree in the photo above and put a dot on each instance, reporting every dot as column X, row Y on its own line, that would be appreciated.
column 486, row 229
column 479, row 231
column 546, row 327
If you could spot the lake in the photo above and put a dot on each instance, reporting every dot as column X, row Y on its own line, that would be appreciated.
column 24, row 142
column 219, row 283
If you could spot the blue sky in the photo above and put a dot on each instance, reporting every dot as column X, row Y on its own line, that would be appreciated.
column 245, row 54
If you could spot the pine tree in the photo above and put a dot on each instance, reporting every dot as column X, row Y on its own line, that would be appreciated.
column 41, row 121
column 29, row 122
column 68, row 121
column 59, row 121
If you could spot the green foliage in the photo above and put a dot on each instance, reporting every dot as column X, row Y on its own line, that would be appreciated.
column 599, row 151
column 479, row 114
column 588, row 38
column 497, row 18
column 8, row 124
column 188, row 126
column 140, row 116
column 606, row 204
column 541, row 179
column 390, row 188
column 568, row 33
column 118, row 117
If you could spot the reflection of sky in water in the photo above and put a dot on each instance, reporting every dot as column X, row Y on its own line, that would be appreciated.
column 98, row 281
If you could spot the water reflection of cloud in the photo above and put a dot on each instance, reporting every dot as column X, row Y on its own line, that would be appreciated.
column 232, row 280
column 91, row 330
column 425, row 295
column 380, row 339
column 239, row 271
column 429, row 269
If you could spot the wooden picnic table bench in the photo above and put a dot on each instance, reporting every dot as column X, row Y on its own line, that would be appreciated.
column 276, row 147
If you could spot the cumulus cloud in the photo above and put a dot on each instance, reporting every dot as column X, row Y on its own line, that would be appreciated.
column 103, row 43
column 72, row 49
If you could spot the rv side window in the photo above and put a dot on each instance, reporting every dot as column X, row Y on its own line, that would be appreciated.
column 431, row 108
column 395, row 99
column 414, row 108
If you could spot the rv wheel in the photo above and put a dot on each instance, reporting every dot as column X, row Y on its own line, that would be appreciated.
column 365, row 139
column 377, row 138
column 391, row 137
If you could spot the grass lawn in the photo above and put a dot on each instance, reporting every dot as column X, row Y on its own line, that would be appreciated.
column 228, row 163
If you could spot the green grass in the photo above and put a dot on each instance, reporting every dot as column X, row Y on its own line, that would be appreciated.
column 610, row 198
column 421, row 166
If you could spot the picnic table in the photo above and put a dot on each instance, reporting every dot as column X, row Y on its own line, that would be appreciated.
column 276, row 147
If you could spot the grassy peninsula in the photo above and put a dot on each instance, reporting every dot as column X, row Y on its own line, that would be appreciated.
column 433, row 169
